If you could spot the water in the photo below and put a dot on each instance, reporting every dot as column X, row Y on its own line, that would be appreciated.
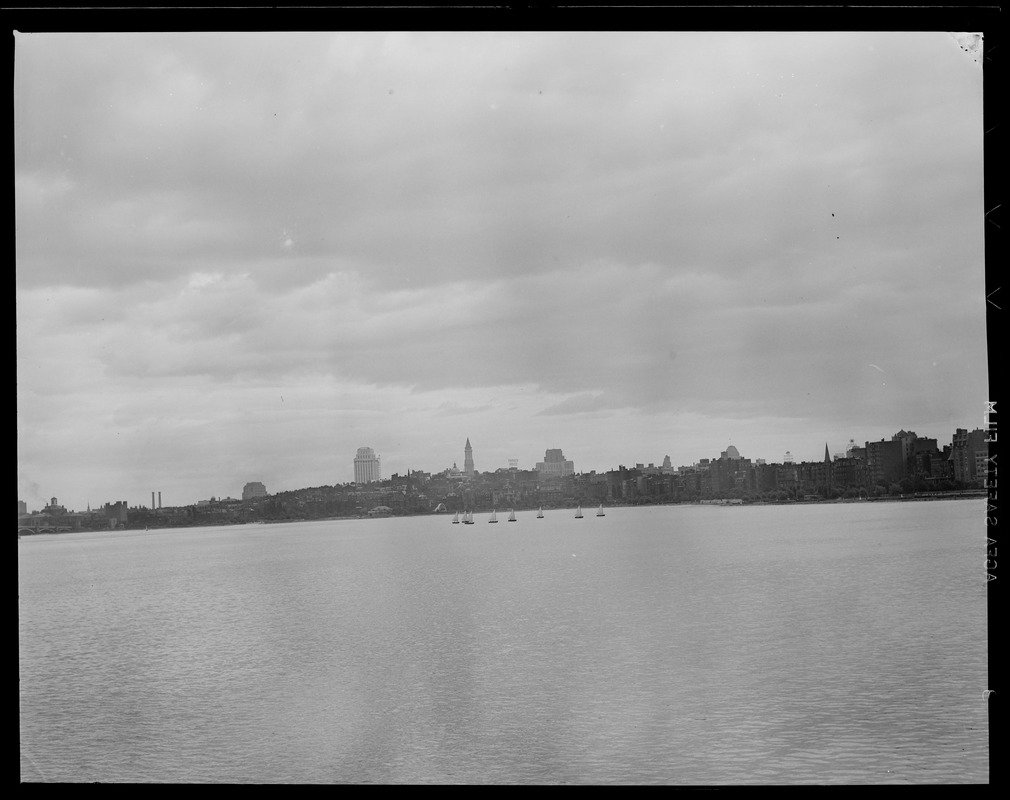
column 684, row 645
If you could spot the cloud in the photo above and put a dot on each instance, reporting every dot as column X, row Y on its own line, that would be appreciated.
column 537, row 229
column 577, row 404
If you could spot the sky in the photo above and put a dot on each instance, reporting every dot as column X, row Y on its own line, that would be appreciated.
column 240, row 257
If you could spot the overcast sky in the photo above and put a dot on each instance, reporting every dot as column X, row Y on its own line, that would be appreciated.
column 243, row 256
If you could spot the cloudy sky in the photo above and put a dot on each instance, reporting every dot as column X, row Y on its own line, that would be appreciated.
column 243, row 256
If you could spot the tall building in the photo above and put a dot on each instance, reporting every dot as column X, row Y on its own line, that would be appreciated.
column 554, row 465
column 253, row 489
column 969, row 453
column 885, row 461
column 907, row 439
column 366, row 466
column 468, row 459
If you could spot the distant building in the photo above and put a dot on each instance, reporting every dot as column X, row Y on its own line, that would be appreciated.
column 468, row 469
column 908, row 441
column 729, row 453
column 253, row 489
column 116, row 513
column 848, row 472
column 453, row 474
column 554, row 465
column 924, row 453
column 729, row 473
column 981, row 466
column 366, row 466
column 885, row 461
column 969, row 453
column 22, row 507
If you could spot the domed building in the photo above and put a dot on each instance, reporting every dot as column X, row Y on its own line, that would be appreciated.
column 728, row 453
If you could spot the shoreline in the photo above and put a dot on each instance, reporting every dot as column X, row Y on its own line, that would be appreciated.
column 721, row 503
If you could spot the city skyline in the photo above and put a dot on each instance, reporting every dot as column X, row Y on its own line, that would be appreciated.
column 240, row 257
column 367, row 456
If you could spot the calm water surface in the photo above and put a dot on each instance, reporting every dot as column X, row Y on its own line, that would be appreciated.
column 840, row 643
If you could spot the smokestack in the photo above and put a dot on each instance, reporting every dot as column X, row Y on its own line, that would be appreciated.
column 159, row 499
column 152, row 501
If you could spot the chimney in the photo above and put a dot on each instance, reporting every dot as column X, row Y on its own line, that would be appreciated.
column 159, row 499
column 152, row 501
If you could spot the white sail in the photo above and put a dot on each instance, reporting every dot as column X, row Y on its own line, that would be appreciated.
column 512, row 515
column 494, row 516
column 455, row 519
column 540, row 513
column 578, row 513
column 599, row 511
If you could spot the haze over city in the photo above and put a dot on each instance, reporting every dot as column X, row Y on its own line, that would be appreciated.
column 240, row 257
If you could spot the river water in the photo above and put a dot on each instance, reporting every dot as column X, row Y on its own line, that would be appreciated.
column 680, row 645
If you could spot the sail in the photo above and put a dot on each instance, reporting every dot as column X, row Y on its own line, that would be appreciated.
column 540, row 513
column 578, row 513
column 455, row 519
column 494, row 516
column 599, row 511
column 512, row 515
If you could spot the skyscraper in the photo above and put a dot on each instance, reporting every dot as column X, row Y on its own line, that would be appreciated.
column 468, row 459
column 253, row 489
column 554, row 465
column 366, row 466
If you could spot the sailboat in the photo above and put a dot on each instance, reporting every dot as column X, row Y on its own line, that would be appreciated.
column 494, row 516
column 599, row 511
column 512, row 515
column 540, row 513
column 578, row 512
column 468, row 518
column 455, row 519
